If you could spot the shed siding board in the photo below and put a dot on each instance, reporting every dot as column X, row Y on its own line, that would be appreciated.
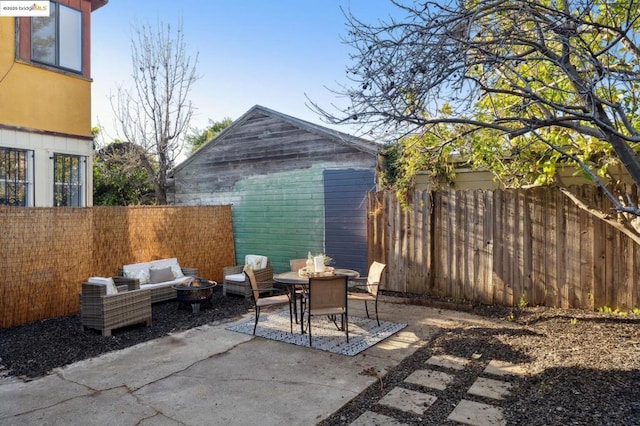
column 346, row 216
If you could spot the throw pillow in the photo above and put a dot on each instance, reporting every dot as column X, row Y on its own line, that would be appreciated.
column 140, row 274
column 256, row 261
column 160, row 275
column 177, row 271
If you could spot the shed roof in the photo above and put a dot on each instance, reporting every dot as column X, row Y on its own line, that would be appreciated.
column 357, row 143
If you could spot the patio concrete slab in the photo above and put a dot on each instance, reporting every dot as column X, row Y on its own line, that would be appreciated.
column 503, row 368
column 210, row 375
column 490, row 388
column 477, row 414
column 408, row 400
column 448, row 361
column 110, row 407
column 430, row 378
column 34, row 395
column 139, row 365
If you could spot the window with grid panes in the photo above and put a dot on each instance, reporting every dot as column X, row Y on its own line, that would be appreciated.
column 15, row 177
column 68, row 175
column 57, row 39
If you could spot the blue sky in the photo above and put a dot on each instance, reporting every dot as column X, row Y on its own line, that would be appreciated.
column 266, row 52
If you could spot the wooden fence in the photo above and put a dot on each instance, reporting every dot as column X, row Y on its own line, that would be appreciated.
column 505, row 247
column 46, row 253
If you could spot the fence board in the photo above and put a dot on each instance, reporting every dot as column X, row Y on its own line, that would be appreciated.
column 573, row 256
column 470, row 246
column 551, row 254
column 491, row 240
column 586, row 254
column 624, row 293
column 609, row 256
column 561, row 258
column 511, row 239
column 499, row 255
column 527, row 246
column 536, row 294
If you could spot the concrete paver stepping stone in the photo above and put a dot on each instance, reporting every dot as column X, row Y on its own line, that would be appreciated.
column 408, row 400
column 477, row 414
column 369, row 418
column 490, row 388
column 448, row 361
column 430, row 378
column 503, row 368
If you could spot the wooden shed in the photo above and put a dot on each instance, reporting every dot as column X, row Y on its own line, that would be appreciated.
column 295, row 187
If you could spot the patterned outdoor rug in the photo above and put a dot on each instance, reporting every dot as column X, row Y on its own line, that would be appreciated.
column 363, row 332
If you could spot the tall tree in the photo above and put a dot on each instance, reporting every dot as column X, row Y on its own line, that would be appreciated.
column 514, row 85
column 200, row 137
column 155, row 114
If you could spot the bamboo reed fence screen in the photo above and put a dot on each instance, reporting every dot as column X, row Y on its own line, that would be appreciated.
column 46, row 253
column 505, row 247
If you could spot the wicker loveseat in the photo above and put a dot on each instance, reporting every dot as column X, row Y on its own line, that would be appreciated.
column 168, row 271
column 236, row 282
column 105, row 312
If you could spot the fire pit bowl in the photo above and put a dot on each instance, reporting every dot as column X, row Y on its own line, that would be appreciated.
column 195, row 292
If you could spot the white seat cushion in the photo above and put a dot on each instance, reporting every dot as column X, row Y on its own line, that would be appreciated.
column 241, row 277
column 166, row 283
column 106, row 281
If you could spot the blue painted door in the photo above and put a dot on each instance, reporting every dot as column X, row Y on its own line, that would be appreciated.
column 345, row 216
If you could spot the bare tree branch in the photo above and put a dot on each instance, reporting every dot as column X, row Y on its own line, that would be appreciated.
column 155, row 114
column 514, row 68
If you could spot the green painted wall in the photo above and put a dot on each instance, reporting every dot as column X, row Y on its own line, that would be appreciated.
column 280, row 215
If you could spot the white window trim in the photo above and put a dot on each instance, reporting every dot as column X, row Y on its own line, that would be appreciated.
column 29, row 172
column 82, row 178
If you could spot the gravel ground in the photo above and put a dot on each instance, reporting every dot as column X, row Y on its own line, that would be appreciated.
column 584, row 366
column 584, row 369
column 34, row 349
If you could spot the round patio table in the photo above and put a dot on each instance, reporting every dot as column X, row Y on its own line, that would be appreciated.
column 292, row 278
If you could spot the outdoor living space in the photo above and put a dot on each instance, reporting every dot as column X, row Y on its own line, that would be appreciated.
column 454, row 358
column 237, row 374
column 454, row 362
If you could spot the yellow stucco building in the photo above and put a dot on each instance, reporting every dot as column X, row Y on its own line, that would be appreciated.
column 46, row 146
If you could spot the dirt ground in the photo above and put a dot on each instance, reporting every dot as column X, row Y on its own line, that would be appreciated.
column 583, row 369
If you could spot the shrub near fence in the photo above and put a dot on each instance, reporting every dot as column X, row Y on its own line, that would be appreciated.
column 506, row 247
column 46, row 253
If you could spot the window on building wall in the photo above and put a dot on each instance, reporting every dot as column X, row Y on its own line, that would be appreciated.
column 57, row 39
column 15, row 177
column 69, row 176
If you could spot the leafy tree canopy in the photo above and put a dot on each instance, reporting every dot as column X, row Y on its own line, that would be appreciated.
column 516, row 86
column 118, row 182
column 200, row 137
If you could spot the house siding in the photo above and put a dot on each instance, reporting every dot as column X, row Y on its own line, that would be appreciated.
column 46, row 110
